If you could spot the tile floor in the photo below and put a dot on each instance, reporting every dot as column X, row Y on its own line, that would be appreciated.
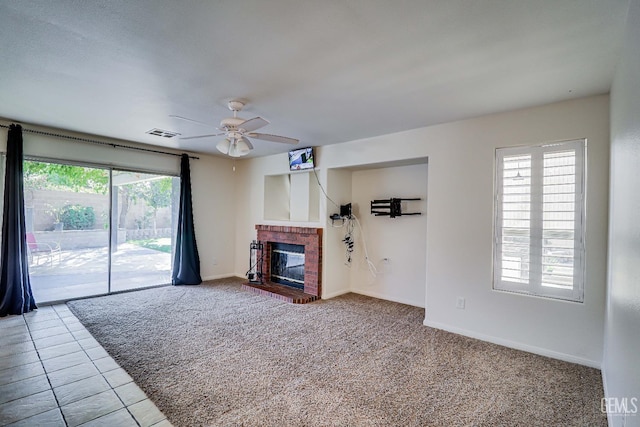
column 54, row 373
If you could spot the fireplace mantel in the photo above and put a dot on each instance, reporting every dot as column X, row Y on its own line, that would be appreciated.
column 288, row 229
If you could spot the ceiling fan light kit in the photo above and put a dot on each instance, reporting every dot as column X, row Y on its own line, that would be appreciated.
column 223, row 146
column 237, row 130
column 236, row 147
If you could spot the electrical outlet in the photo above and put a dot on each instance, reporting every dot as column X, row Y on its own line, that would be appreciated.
column 214, row 261
column 460, row 303
column 384, row 266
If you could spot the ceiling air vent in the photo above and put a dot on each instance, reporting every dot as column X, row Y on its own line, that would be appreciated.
column 162, row 133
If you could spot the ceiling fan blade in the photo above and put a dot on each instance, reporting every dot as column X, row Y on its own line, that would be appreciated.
column 273, row 138
column 253, row 124
column 203, row 136
column 249, row 144
column 191, row 120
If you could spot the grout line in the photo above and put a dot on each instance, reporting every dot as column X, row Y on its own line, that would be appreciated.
column 73, row 318
column 102, row 373
column 47, row 374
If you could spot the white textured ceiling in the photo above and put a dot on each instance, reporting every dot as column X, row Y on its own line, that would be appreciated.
column 323, row 71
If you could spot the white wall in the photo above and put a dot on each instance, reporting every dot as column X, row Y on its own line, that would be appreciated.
column 622, row 326
column 401, row 240
column 460, row 221
column 336, row 275
column 461, row 177
column 213, row 186
column 212, row 180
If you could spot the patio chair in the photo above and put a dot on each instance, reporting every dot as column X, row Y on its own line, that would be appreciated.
column 38, row 249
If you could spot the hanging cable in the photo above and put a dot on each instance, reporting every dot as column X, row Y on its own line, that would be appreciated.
column 322, row 188
column 372, row 268
column 349, row 242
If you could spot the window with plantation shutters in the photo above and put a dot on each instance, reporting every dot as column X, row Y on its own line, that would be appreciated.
column 539, row 223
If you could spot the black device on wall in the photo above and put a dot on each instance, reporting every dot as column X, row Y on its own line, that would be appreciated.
column 345, row 210
column 345, row 213
column 391, row 207
column 301, row 159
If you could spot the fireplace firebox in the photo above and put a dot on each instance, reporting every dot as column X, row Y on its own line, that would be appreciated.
column 287, row 264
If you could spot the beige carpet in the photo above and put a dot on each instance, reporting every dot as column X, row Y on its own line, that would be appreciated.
column 216, row 355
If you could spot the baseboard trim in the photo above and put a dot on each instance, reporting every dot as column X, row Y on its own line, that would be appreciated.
column 606, row 393
column 336, row 294
column 219, row 276
column 514, row 344
column 385, row 297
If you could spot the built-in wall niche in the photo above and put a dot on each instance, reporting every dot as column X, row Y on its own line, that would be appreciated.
column 291, row 197
column 396, row 246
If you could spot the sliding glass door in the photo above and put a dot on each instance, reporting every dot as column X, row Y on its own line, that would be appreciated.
column 67, row 223
column 93, row 230
column 144, row 209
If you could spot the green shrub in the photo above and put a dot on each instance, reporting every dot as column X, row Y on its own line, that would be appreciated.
column 78, row 217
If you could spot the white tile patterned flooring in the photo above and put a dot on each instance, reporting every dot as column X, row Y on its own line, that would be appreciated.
column 54, row 373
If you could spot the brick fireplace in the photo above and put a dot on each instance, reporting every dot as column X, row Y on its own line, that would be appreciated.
column 311, row 240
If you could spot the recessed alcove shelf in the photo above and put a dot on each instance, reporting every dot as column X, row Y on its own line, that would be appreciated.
column 396, row 247
column 291, row 197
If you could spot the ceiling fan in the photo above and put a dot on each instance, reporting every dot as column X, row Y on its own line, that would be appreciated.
column 237, row 132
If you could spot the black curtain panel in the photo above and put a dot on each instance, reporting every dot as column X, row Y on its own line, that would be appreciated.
column 186, row 264
column 15, row 287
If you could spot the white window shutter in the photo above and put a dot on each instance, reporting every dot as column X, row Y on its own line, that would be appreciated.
column 539, row 221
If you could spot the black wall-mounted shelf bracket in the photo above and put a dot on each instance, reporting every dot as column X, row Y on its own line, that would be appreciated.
column 391, row 207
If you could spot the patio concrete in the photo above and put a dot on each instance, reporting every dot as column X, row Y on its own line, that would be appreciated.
column 83, row 272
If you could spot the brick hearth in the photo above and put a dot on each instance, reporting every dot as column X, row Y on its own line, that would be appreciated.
column 311, row 239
